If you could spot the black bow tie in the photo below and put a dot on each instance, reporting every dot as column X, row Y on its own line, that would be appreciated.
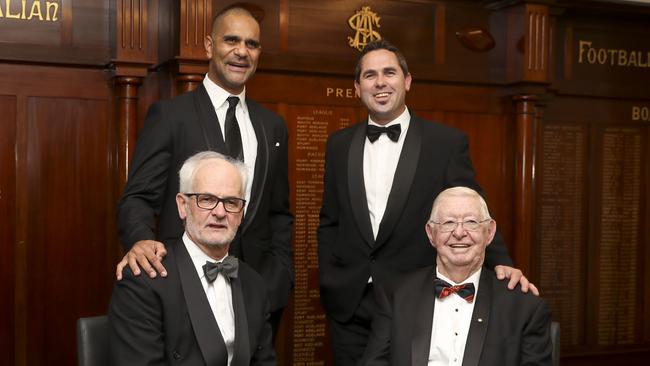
column 373, row 132
column 444, row 289
column 228, row 267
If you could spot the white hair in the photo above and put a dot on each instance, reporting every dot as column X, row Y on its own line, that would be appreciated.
column 460, row 192
column 188, row 170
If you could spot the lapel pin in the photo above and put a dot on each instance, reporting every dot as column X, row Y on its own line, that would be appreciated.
column 277, row 144
column 480, row 320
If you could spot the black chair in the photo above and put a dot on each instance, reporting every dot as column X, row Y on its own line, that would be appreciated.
column 92, row 341
column 555, row 341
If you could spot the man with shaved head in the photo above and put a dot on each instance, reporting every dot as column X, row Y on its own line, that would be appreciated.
column 216, row 116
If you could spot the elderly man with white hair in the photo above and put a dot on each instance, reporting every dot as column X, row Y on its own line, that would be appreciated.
column 211, row 309
column 457, row 312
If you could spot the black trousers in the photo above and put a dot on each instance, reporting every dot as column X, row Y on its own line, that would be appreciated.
column 349, row 339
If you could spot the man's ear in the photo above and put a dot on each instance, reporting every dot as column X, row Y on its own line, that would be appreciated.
column 407, row 81
column 430, row 234
column 181, row 199
column 208, row 44
column 492, row 230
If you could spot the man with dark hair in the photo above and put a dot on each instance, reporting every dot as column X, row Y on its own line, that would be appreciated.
column 380, row 176
column 211, row 309
column 456, row 312
column 216, row 116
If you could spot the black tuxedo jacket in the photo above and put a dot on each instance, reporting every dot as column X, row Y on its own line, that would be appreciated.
column 434, row 157
column 178, row 128
column 508, row 327
column 168, row 320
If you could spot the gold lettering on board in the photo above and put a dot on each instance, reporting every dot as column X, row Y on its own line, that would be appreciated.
column 30, row 9
column 347, row 93
column 640, row 113
column 589, row 54
column 364, row 22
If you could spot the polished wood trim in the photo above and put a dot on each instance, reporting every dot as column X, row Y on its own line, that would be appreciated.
column 568, row 53
column 66, row 23
column 131, row 27
column 132, row 47
column 126, row 90
column 195, row 24
column 440, row 34
column 284, row 25
column 537, row 40
column 525, row 125
column 21, row 302
column 8, row 125
column 188, row 82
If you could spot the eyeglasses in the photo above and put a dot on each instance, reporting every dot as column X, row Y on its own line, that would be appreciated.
column 449, row 226
column 208, row 201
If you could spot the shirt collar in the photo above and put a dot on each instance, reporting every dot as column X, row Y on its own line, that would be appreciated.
column 218, row 95
column 197, row 255
column 403, row 120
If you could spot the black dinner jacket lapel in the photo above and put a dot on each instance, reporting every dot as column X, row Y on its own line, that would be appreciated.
column 213, row 139
column 206, row 330
column 261, row 163
column 241, row 353
column 402, row 181
column 404, row 175
column 423, row 321
column 356, row 184
column 208, row 121
column 480, row 320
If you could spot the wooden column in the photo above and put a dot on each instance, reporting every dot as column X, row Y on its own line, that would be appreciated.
column 528, row 42
column 135, row 30
column 188, row 82
column 195, row 21
column 126, row 99
column 527, row 60
column 526, row 126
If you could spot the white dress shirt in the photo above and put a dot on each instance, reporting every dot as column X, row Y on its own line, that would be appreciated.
column 218, row 293
column 380, row 160
column 219, row 98
column 452, row 317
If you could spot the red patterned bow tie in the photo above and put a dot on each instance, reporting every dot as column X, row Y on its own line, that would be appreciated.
column 444, row 289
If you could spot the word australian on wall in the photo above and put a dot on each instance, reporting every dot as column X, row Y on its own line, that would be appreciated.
column 30, row 10
column 590, row 53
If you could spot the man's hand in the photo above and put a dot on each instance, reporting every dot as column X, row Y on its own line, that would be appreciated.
column 146, row 253
column 515, row 276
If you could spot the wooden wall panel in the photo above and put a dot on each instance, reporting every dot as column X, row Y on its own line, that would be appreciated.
column 75, row 32
column 7, row 223
column 61, row 209
column 491, row 145
column 602, row 56
column 68, row 229
column 592, row 243
column 560, row 252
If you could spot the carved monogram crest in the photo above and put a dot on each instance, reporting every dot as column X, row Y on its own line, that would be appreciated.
column 364, row 22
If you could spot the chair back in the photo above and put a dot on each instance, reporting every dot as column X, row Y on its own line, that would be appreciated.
column 555, row 341
column 92, row 341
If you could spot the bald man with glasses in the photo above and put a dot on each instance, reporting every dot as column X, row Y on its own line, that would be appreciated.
column 457, row 312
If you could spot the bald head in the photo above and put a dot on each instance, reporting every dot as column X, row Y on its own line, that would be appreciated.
column 231, row 10
column 459, row 192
